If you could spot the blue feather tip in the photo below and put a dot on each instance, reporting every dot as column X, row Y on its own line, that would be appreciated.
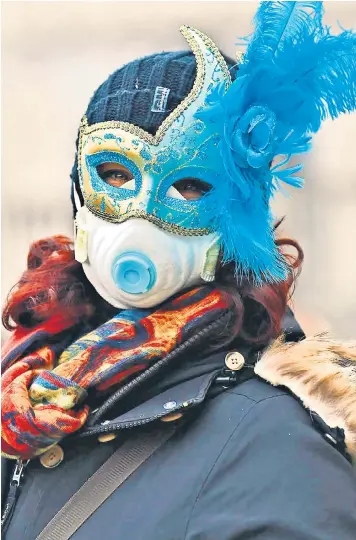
column 295, row 73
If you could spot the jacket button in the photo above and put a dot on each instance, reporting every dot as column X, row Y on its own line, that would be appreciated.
column 52, row 458
column 234, row 361
column 171, row 417
column 106, row 437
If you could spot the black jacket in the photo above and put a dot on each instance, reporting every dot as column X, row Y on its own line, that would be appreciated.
column 246, row 463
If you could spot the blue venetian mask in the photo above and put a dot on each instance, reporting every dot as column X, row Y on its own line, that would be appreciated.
column 183, row 147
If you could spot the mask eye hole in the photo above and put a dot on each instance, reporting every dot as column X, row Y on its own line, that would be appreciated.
column 192, row 189
column 115, row 174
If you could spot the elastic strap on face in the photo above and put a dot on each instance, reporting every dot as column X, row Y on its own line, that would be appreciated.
column 210, row 261
column 80, row 232
column 76, row 198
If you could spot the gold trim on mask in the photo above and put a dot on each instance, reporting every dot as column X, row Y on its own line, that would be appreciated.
column 169, row 227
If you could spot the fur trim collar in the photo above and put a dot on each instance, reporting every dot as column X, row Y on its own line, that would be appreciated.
column 322, row 373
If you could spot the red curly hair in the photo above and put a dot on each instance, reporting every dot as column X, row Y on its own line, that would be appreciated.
column 54, row 285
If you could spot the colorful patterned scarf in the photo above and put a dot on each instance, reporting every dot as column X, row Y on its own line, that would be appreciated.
column 44, row 391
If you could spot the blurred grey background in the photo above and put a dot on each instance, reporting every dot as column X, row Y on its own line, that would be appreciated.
column 55, row 54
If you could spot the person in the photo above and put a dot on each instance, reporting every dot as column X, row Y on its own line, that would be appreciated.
column 170, row 314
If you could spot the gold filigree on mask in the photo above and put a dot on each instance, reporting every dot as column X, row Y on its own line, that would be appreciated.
column 169, row 227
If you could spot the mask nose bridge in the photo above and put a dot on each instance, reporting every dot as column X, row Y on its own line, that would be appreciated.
column 146, row 196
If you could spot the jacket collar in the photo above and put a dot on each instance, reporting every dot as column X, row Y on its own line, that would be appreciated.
column 186, row 385
column 176, row 399
column 320, row 372
column 200, row 364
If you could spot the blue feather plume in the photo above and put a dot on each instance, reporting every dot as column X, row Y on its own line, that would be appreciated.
column 294, row 75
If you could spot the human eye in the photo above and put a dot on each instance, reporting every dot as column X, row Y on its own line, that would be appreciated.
column 192, row 189
column 114, row 174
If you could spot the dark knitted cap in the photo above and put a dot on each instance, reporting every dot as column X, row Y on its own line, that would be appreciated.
column 128, row 94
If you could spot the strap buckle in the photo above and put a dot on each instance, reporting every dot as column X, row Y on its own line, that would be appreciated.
column 334, row 436
column 227, row 376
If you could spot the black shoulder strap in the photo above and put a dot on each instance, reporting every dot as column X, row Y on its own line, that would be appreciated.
column 104, row 482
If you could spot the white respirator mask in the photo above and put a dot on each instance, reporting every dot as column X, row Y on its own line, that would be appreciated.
column 137, row 264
